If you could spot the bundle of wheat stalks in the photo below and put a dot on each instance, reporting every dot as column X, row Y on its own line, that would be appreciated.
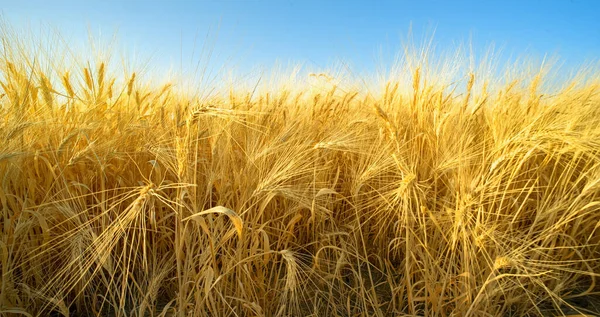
column 118, row 198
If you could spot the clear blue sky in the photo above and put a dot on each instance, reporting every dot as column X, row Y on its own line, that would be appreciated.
column 319, row 32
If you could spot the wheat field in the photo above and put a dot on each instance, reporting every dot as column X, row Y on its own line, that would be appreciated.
column 437, row 191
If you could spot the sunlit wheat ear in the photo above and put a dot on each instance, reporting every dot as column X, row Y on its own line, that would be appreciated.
column 502, row 262
column 291, row 278
column 101, row 70
column 18, row 130
column 66, row 81
column 109, row 92
column 130, row 84
column 87, row 76
column 100, row 81
column 235, row 219
column 47, row 90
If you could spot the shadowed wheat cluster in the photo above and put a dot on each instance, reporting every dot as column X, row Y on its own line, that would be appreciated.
column 431, row 197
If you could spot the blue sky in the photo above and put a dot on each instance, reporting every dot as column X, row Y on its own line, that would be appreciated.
column 317, row 33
